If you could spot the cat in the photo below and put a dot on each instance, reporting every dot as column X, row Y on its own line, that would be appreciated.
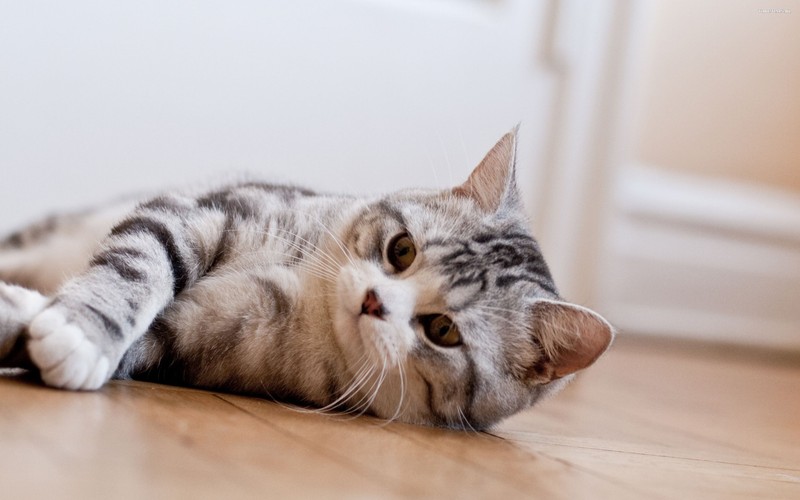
column 431, row 307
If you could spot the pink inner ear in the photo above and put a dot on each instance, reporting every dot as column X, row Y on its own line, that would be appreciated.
column 489, row 184
column 573, row 336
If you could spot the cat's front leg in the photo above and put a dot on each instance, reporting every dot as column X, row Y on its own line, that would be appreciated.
column 162, row 248
column 77, row 341
column 18, row 306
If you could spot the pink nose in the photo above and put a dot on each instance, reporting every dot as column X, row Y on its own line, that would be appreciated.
column 372, row 305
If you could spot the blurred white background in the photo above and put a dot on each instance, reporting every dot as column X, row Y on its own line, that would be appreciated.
column 104, row 97
column 659, row 144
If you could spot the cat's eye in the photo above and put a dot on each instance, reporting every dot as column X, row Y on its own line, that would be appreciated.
column 401, row 252
column 441, row 330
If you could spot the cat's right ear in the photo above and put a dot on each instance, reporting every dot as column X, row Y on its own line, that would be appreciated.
column 492, row 185
column 569, row 338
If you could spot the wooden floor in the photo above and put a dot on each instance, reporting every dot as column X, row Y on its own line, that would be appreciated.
column 643, row 423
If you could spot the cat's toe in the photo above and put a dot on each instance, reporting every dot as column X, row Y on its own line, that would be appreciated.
column 64, row 354
column 99, row 375
column 73, row 372
column 52, row 339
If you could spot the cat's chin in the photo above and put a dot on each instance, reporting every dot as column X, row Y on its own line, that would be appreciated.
column 386, row 343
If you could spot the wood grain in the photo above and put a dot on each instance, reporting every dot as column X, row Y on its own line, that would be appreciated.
column 643, row 423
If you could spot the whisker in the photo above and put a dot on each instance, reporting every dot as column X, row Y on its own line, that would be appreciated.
column 330, row 259
column 362, row 374
column 399, row 408
column 466, row 425
column 364, row 404
column 316, row 257
column 335, row 239
column 377, row 388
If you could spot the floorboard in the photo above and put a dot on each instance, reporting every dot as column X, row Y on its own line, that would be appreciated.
column 645, row 422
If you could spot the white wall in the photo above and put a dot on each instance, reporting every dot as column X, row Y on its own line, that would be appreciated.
column 99, row 98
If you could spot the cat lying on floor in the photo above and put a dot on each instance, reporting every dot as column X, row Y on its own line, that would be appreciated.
column 430, row 307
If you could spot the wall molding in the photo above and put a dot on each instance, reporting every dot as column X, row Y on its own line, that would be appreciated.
column 714, row 204
column 706, row 259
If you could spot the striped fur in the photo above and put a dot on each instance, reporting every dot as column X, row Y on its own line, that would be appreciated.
column 260, row 289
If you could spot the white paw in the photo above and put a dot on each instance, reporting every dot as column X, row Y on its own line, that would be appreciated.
column 28, row 303
column 64, row 355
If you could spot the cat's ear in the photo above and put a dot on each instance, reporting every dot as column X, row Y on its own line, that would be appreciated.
column 571, row 338
column 492, row 185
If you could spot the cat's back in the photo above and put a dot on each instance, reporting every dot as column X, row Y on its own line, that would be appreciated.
column 47, row 252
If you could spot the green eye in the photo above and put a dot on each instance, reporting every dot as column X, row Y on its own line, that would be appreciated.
column 401, row 252
column 441, row 330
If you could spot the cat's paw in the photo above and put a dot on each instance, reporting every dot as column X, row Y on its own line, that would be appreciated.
column 17, row 307
column 20, row 302
column 65, row 355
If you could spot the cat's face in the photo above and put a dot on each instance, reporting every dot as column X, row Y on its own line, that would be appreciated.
column 446, row 312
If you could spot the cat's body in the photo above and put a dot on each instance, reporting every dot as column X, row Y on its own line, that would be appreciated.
column 426, row 306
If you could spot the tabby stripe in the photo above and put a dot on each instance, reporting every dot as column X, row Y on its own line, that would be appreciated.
column 547, row 286
column 165, row 238
column 465, row 250
column 286, row 192
column 392, row 212
column 508, row 280
column 171, row 367
column 471, row 279
column 14, row 240
column 230, row 204
column 115, row 258
column 164, row 334
column 487, row 237
column 167, row 204
column 223, row 245
column 280, row 302
column 111, row 326
column 537, row 266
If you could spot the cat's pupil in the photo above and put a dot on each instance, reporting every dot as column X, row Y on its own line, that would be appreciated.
column 441, row 330
column 401, row 252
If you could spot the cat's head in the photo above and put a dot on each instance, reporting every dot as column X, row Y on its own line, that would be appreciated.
column 445, row 310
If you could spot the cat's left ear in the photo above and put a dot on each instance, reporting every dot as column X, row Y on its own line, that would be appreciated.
column 571, row 337
column 492, row 185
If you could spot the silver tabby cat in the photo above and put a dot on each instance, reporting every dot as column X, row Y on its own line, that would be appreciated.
column 431, row 307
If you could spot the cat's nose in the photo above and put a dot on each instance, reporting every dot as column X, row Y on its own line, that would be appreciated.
column 372, row 305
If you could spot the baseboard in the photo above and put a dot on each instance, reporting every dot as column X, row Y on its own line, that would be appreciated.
column 703, row 259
